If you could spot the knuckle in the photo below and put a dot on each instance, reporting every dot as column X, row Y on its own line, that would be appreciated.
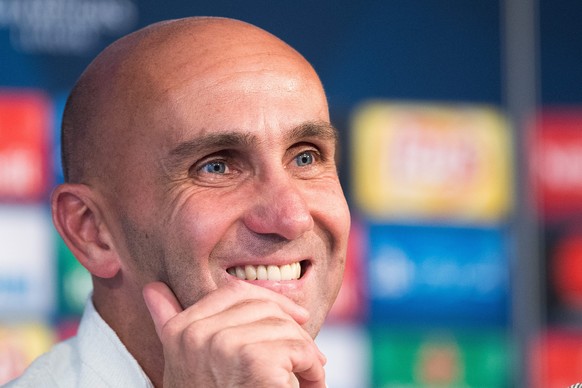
column 248, row 356
column 280, row 323
column 170, row 331
column 274, row 309
column 265, row 306
column 248, row 303
column 192, row 337
column 223, row 345
column 221, row 340
column 301, row 348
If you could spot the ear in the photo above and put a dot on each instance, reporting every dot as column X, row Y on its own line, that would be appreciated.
column 79, row 221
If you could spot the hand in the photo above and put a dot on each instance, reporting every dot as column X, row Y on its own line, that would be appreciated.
column 239, row 335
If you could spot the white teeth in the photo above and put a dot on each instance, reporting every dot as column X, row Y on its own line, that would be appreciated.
column 274, row 273
column 270, row 272
column 240, row 273
column 286, row 272
column 262, row 273
column 251, row 272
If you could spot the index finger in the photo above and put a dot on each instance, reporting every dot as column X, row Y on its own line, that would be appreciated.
column 235, row 292
column 162, row 304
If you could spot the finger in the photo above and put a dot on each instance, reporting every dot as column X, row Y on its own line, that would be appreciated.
column 234, row 293
column 307, row 366
column 321, row 356
column 282, row 356
column 253, row 313
column 303, row 383
column 313, row 377
column 268, row 330
column 161, row 303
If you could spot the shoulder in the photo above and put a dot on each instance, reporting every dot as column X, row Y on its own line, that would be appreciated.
column 64, row 366
column 53, row 369
column 94, row 358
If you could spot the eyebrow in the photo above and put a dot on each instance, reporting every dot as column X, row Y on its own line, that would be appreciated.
column 211, row 141
column 311, row 129
column 233, row 139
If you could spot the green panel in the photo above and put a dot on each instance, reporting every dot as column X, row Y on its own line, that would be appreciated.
column 438, row 359
column 74, row 282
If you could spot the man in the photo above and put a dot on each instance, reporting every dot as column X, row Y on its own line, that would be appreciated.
column 202, row 195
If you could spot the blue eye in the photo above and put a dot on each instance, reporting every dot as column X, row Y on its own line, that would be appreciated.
column 304, row 159
column 214, row 167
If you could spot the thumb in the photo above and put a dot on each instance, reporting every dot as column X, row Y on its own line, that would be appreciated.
column 161, row 303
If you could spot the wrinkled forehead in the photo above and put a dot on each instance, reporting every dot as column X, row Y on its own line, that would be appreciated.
column 265, row 104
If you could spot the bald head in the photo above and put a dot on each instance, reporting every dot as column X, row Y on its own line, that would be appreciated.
column 107, row 109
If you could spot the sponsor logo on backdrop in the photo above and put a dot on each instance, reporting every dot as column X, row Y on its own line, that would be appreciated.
column 64, row 26
column 24, row 142
column 556, row 154
column 439, row 358
column 27, row 279
column 437, row 274
column 414, row 161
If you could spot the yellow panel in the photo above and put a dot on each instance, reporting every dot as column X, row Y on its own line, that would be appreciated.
column 431, row 162
column 20, row 345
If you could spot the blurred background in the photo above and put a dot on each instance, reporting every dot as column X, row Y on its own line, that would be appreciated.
column 461, row 159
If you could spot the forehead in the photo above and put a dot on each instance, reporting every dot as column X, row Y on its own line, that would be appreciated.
column 260, row 104
column 260, row 88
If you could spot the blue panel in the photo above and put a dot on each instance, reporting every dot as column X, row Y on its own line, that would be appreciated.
column 446, row 274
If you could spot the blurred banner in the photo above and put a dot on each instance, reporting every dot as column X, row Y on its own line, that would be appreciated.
column 25, row 136
column 555, row 359
column 434, row 162
column 446, row 358
column 27, row 267
column 20, row 345
column 556, row 155
column 438, row 275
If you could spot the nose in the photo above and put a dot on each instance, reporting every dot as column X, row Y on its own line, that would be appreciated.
column 279, row 208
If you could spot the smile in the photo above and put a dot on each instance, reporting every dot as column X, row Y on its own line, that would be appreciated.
column 267, row 272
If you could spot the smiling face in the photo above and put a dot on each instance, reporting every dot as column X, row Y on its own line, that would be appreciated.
column 227, row 173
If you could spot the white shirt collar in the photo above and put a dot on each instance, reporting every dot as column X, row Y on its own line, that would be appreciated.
column 102, row 350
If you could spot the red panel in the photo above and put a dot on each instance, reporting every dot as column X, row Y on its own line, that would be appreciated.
column 567, row 270
column 557, row 163
column 557, row 360
column 25, row 125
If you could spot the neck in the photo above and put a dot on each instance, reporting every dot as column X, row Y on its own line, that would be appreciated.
column 125, row 312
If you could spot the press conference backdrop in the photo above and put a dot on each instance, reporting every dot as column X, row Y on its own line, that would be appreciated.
column 434, row 165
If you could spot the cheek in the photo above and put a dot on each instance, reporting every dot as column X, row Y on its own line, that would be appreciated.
column 331, row 214
column 201, row 224
column 193, row 235
column 330, row 210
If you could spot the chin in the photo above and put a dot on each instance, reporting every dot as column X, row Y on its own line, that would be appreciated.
column 313, row 326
